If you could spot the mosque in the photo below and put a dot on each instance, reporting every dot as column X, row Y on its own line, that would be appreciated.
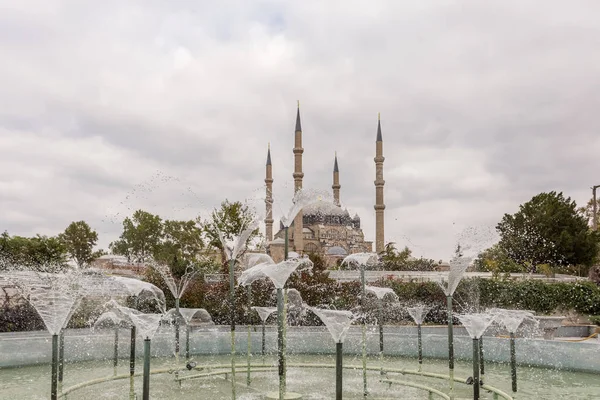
column 327, row 228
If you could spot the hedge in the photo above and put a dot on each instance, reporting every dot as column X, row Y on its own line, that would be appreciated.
column 318, row 289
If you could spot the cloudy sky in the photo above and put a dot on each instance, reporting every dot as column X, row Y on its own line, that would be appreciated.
column 109, row 106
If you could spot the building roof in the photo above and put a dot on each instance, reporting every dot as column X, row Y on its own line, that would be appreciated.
column 337, row 251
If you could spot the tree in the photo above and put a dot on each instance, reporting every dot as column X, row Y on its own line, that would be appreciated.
column 79, row 240
column 181, row 246
column 496, row 260
column 230, row 220
column 141, row 237
column 39, row 253
column 548, row 229
column 588, row 211
column 393, row 260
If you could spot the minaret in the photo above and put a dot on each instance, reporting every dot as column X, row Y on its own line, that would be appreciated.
column 336, row 182
column 269, row 197
column 379, row 182
column 298, row 175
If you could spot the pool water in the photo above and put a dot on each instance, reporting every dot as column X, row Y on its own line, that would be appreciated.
column 33, row 382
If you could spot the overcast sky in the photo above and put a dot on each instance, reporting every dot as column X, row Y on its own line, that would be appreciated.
column 109, row 106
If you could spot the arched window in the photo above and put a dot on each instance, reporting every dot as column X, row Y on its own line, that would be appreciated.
column 311, row 248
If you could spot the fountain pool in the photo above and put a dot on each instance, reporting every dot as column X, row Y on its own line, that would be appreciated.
column 310, row 365
column 31, row 383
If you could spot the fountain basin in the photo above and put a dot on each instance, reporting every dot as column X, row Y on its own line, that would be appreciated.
column 549, row 325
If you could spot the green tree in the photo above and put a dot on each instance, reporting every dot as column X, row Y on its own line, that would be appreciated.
column 39, row 253
column 230, row 219
column 548, row 229
column 142, row 234
column 496, row 260
column 394, row 260
column 182, row 246
column 79, row 240
column 588, row 211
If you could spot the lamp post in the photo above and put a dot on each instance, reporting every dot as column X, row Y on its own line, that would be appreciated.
column 594, row 208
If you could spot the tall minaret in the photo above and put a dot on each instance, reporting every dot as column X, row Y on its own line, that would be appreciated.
column 269, row 197
column 379, row 182
column 298, row 175
column 336, row 182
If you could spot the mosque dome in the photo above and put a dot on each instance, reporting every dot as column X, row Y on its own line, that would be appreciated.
column 323, row 208
column 337, row 251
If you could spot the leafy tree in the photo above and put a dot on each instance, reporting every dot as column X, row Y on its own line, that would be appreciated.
column 182, row 246
column 496, row 260
column 141, row 237
column 230, row 220
column 393, row 260
column 79, row 240
column 39, row 253
column 548, row 229
column 588, row 211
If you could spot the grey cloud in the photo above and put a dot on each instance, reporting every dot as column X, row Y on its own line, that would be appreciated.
column 484, row 104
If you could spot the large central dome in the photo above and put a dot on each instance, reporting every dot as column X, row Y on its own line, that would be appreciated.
column 323, row 208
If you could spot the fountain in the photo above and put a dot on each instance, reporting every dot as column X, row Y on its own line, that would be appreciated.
column 511, row 320
column 177, row 287
column 363, row 260
column 338, row 323
column 418, row 314
column 381, row 293
column 476, row 324
column 232, row 247
column 264, row 313
column 146, row 326
column 278, row 274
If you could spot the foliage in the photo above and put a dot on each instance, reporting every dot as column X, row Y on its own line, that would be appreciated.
column 181, row 246
column 588, row 210
column 496, row 261
column 140, row 238
column 595, row 319
column 79, row 240
column 393, row 260
column 230, row 219
column 548, row 229
column 39, row 253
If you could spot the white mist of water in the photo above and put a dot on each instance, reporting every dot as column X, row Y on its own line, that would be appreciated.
column 511, row 319
column 277, row 273
column 361, row 260
column 54, row 296
column 382, row 292
column 337, row 322
column 176, row 286
column 264, row 312
column 303, row 198
column 418, row 313
column 476, row 324
column 252, row 259
column 146, row 324
column 234, row 246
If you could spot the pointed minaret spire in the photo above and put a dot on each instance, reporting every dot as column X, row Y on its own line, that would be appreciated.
column 298, row 124
column 379, row 182
column 298, row 175
column 269, row 197
column 269, row 154
column 336, row 182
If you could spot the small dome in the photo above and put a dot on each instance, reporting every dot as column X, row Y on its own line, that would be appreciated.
column 356, row 217
column 337, row 251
